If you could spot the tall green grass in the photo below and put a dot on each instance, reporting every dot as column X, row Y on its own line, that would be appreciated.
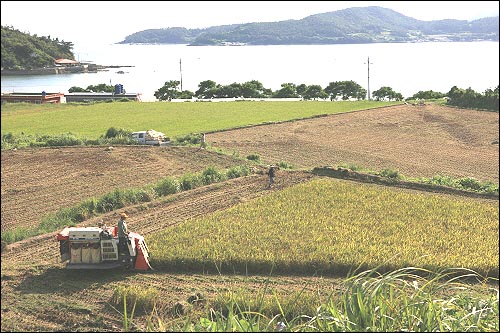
column 464, row 183
column 173, row 119
column 11, row 141
column 397, row 301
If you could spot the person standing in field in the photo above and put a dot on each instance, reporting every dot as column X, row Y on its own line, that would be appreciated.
column 272, row 173
column 122, row 234
column 203, row 141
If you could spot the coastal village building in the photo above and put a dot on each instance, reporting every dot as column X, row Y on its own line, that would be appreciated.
column 92, row 97
column 66, row 62
column 83, row 97
column 35, row 98
column 71, row 66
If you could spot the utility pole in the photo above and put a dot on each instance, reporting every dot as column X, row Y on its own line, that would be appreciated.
column 180, row 69
column 368, row 62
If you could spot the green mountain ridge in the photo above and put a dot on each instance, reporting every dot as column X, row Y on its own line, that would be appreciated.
column 355, row 25
column 22, row 51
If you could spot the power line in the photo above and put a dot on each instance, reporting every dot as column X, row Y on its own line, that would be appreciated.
column 180, row 70
column 368, row 63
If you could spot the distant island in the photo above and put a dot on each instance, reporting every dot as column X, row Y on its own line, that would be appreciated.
column 358, row 25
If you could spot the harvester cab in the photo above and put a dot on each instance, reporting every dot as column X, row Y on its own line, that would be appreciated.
column 97, row 248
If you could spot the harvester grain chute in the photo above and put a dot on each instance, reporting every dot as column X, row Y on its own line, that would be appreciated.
column 97, row 248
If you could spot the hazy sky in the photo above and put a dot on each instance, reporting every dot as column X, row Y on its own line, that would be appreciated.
column 110, row 22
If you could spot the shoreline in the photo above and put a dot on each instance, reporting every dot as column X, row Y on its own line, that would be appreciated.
column 61, row 70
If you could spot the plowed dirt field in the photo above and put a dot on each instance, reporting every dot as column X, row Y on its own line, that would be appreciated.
column 36, row 182
column 419, row 141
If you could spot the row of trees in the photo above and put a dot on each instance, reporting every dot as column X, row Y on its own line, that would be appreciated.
column 338, row 90
column 102, row 87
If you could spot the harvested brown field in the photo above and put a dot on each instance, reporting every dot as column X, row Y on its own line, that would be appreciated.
column 36, row 182
column 419, row 141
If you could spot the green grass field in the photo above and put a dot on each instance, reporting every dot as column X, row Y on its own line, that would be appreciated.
column 173, row 119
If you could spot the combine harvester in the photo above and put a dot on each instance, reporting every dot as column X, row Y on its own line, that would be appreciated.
column 97, row 248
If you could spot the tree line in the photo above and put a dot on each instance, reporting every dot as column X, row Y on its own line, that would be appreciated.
column 335, row 91
column 338, row 90
column 102, row 87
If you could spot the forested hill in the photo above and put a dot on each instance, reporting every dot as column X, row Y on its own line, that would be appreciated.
column 24, row 51
column 353, row 25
